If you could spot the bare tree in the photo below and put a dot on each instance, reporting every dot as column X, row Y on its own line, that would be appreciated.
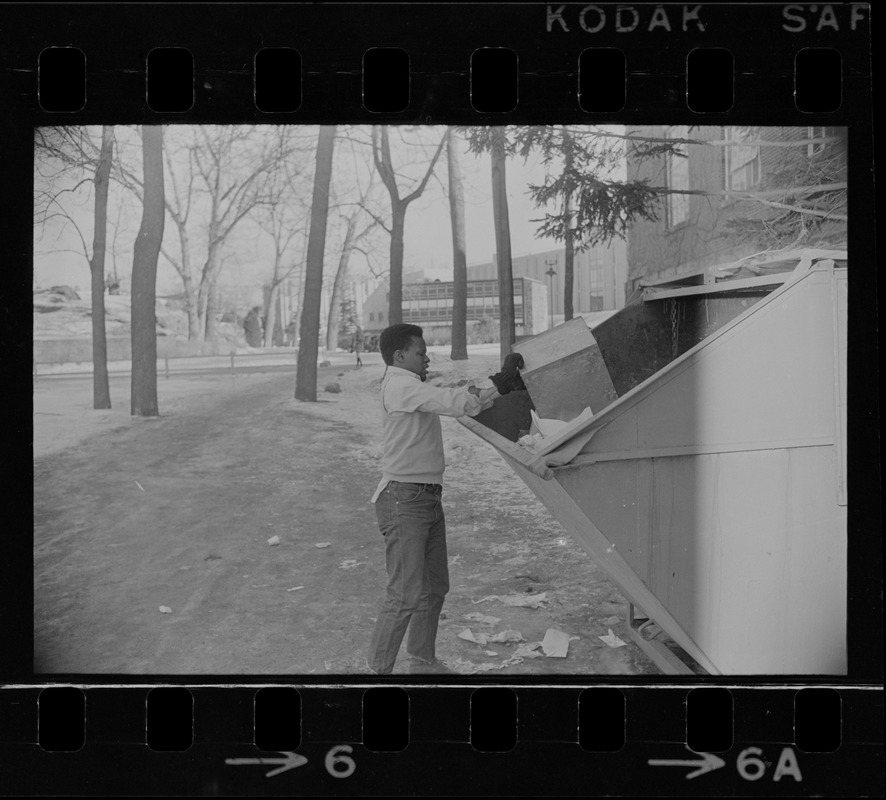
column 76, row 155
column 507, row 329
column 309, row 332
column 384, row 164
column 352, row 240
column 459, row 349
column 144, row 278
column 218, row 176
column 284, row 217
column 101, row 393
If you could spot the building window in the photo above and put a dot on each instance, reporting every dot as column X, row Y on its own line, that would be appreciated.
column 814, row 148
column 677, row 177
column 742, row 161
column 372, row 316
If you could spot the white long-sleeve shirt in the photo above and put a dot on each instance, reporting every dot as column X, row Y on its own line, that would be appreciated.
column 413, row 437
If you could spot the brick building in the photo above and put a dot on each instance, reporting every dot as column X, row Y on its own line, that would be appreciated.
column 723, row 223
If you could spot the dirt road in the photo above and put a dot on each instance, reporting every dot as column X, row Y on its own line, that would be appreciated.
column 177, row 512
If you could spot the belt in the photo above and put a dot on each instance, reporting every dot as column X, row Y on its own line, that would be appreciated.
column 432, row 486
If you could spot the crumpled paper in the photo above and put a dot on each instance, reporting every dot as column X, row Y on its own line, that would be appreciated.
column 612, row 640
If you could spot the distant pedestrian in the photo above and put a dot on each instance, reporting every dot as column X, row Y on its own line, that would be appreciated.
column 357, row 344
column 408, row 498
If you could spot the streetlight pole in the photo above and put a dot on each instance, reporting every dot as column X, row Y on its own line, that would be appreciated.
column 550, row 273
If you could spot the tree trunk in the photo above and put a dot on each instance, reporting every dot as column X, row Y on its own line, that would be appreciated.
column 271, row 313
column 206, row 288
column 192, row 307
column 502, row 244
column 568, row 261
column 395, row 281
column 213, row 301
column 309, row 331
column 333, row 322
column 192, row 310
column 144, row 278
column 101, row 393
column 459, row 350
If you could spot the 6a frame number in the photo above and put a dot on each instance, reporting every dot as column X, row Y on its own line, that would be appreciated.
column 752, row 767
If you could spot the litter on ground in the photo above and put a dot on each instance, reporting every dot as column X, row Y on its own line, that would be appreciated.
column 528, row 650
column 484, row 638
column 612, row 640
column 519, row 600
column 274, row 541
column 322, row 544
column 483, row 619
column 470, row 668
column 555, row 644
column 165, row 610
column 295, row 588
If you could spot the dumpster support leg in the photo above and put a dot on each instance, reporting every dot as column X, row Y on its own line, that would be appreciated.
column 659, row 652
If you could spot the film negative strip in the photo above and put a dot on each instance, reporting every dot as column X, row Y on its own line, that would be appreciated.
column 703, row 705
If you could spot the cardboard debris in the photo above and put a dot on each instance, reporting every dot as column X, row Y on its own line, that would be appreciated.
column 518, row 600
column 555, row 644
column 274, row 541
column 165, row 610
column 612, row 640
column 483, row 619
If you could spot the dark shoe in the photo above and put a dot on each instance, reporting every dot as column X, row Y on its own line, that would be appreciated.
column 435, row 667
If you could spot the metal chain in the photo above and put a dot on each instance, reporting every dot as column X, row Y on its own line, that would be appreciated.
column 674, row 328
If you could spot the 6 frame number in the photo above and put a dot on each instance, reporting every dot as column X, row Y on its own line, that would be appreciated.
column 338, row 765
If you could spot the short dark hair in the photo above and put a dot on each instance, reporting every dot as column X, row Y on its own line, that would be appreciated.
column 397, row 337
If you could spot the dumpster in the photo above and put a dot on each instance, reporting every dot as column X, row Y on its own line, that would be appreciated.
column 696, row 449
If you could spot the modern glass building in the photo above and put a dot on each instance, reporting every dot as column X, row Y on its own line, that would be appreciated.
column 429, row 304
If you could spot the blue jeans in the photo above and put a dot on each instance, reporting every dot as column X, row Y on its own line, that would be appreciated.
column 410, row 517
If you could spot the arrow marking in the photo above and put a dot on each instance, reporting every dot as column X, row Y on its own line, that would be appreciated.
column 291, row 761
column 708, row 763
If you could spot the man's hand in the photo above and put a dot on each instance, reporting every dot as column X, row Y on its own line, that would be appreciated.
column 509, row 378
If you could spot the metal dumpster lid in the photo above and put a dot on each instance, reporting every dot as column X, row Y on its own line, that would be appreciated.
column 753, row 266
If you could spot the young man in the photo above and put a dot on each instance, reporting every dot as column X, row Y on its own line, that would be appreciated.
column 407, row 501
